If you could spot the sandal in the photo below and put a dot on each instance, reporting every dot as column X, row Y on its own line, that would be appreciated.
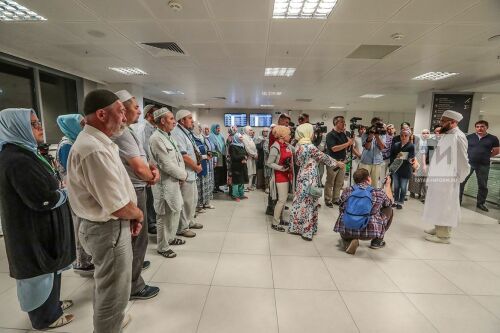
column 306, row 239
column 177, row 241
column 66, row 304
column 277, row 227
column 167, row 254
column 63, row 320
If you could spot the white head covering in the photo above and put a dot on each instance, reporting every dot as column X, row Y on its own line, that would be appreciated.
column 123, row 95
column 182, row 114
column 453, row 115
column 147, row 108
column 160, row 113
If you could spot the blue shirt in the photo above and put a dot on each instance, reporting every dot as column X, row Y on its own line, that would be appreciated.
column 372, row 156
column 184, row 141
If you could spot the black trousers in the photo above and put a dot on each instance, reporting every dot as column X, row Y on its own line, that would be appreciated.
column 482, row 172
column 139, row 245
column 43, row 316
column 150, row 207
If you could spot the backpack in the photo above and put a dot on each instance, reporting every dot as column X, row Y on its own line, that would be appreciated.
column 358, row 208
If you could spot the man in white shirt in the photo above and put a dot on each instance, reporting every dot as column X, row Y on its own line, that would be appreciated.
column 101, row 193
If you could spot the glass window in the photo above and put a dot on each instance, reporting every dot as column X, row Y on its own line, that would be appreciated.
column 16, row 86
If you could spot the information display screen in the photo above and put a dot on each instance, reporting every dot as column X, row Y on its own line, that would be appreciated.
column 235, row 119
column 261, row 119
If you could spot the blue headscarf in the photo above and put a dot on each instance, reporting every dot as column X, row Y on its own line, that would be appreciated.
column 69, row 124
column 15, row 127
column 237, row 140
column 217, row 138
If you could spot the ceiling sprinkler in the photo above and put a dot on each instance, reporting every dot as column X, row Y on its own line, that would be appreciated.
column 175, row 5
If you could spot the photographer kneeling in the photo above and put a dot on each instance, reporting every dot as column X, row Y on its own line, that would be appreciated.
column 281, row 161
column 365, row 213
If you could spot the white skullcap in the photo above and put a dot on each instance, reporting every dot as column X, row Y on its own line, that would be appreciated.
column 123, row 95
column 182, row 114
column 453, row 115
column 160, row 113
column 148, row 108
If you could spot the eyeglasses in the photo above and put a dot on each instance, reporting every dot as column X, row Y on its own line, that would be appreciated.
column 36, row 124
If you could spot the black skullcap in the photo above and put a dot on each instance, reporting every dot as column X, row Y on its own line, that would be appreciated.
column 98, row 99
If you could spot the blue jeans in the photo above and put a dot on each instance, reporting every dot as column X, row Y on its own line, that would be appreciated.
column 400, row 186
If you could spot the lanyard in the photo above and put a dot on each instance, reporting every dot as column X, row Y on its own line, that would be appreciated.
column 44, row 161
column 169, row 139
column 195, row 146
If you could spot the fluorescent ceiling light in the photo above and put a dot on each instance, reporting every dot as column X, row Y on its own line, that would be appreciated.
column 371, row 96
column 279, row 71
column 128, row 70
column 173, row 92
column 435, row 76
column 266, row 105
column 12, row 11
column 303, row 9
column 271, row 93
column 335, row 107
column 198, row 104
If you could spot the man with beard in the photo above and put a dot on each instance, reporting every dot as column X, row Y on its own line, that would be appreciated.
column 102, row 195
column 449, row 167
column 141, row 174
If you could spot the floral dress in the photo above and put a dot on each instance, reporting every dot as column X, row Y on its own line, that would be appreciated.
column 304, row 213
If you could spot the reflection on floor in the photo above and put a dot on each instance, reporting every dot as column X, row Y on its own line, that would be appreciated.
column 240, row 276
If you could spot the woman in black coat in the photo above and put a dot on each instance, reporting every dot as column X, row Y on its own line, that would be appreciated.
column 239, row 169
column 36, row 219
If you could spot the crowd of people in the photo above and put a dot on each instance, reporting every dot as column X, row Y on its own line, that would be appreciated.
column 114, row 181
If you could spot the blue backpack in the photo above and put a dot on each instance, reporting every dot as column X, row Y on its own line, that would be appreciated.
column 358, row 208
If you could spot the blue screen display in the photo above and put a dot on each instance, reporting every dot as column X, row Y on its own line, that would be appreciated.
column 261, row 120
column 238, row 119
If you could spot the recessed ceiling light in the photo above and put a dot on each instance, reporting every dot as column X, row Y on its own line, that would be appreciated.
column 303, row 9
column 335, row 107
column 279, row 71
column 198, row 104
column 271, row 93
column 434, row 76
column 266, row 105
column 173, row 92
column 481, row 111
column 12, row 11
column 128, row 70
column 371, row 96
column 397, row 36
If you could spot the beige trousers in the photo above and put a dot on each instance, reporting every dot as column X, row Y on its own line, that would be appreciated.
column 334, row 183
column 282, row 189
column 374, row 171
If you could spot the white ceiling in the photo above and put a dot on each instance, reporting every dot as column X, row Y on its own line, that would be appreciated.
column 230, row 42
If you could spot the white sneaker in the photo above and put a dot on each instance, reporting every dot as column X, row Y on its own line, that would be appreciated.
column 430, row 231
column 436, row 239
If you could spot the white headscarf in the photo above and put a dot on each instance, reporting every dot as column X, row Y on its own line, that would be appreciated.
column 304, row 133
column 248, row 141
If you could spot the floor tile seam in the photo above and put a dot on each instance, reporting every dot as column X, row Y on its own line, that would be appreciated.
column 421, row 312
column 489, row 270
column 338, row 291
column 473, row 297
column 272, row 278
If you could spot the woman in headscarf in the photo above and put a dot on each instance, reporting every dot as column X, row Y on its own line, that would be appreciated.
column 39, row 238
column 205, row 190
column 265, row 146
column 230, row 134
column 71, row 125
column 239, row 172
column 304, row 212
column 261, row 161
column 220, row 169
column 213, row 158
column 252, row 156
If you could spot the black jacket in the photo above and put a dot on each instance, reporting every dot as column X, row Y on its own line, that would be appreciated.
column 239, row 171
column 38, row 239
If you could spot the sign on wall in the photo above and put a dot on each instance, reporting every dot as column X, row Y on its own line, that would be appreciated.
column 461, row 103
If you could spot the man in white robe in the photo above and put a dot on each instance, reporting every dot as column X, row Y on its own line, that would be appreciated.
column 449, row 167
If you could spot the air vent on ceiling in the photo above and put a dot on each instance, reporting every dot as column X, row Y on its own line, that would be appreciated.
column 163, row 49
column 218, row 98
column 306, row 100
column 373, row 51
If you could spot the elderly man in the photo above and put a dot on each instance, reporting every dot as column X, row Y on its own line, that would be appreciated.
column 101, row 193
column 141, row 174
column 144, row 131
column 192, row 160
column 168, row 203
column 448, row 168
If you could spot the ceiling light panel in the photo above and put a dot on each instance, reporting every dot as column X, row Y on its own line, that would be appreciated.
column 12, row 11
column 198, row 104
column 173, row 92
column 128, row 70
column 279, row 71
column 435, row 76
column 271, row 93
column 266, row 105
column 303, row 9
column 335, row 107
column 371, row 96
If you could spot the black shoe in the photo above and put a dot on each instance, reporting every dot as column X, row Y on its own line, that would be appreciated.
column 406, row 198
column 412, row 195
column 394, row 205
column 146, row 293
column 482, row 207
column 377, row 243
column 287, row 208
column 84, row 270
column 329, row 204
column 285, row 223
column 277, row 227
column 336, row 202
column 146, row 264
column 152, row 230
column 399, row 207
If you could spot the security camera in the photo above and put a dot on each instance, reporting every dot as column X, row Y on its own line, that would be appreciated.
column 175, row 5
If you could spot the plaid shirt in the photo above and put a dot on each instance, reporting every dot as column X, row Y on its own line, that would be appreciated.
column 377, row 222
column 386, row 153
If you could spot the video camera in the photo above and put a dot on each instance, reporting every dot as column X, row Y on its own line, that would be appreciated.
column 320, row 127
column 354, row 124
column 377, row 128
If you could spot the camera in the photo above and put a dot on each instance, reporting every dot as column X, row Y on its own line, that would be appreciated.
column 287, row 163
column 320, row 127
column 354, row 123
column 377, row 128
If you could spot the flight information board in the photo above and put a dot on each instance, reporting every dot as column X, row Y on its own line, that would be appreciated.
column 235, row 119
column 261, row 119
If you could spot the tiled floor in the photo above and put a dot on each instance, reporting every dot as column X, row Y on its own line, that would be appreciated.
column 238, row 275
